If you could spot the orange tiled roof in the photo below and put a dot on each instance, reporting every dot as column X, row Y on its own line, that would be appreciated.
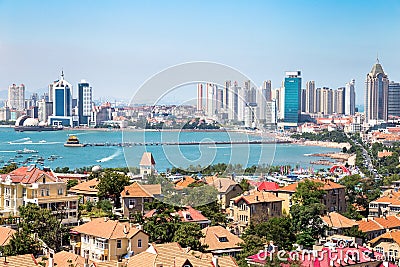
column 369, row 225
column 390, row 198
column 391, row 235
column 105, row 228
column 212, row 237
column 195, row 215
column 26, row 260
column 221, row 184
column 66, row 259
column 26, row 176
column 171, row 254
column 336, row 220
column 257, row 197
column 138, row 190
column 89, row 186
column 327, row 185
column 185, row 182
column 6, row 234
column 388, row 222
column 384, row 153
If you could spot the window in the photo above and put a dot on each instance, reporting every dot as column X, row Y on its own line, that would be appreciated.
column 139, row 243
column 132, row 203
column 60, row 191
column 223, row 239
column 42, row 192
column 47, row 192
column 7, row 203
column 85, row 239
column 119, row 243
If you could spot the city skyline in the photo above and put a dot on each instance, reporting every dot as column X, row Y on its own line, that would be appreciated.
column 118, row 53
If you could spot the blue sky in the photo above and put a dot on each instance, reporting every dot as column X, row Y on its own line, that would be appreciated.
column 117, row 45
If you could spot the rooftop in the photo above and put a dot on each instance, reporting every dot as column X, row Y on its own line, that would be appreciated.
column 254, row 197
column 327, row 185
column 139, row 190
column 147, row 159
column 336, row 220
column 219, row 238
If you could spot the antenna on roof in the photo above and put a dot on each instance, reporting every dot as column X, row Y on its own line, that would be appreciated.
column 62, row 74
column 377, row 58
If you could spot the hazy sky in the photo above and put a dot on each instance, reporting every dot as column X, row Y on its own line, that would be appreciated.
column 117, row 45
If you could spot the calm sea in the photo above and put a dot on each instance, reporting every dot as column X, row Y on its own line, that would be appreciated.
column 52, row 143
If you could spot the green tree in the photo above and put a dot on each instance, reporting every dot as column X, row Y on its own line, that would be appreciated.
column 355, row 232
column 111, row 185
column 214, row 213
column 45, row 224
column 188, row 235
column 306, row 211
column 244, row 184
column 71, row 183
column 8, row 168
column 251, row 245
column 22, row 242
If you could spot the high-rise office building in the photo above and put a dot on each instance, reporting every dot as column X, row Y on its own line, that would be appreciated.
column 303, row 100
column 394, row 99
column 317, row 101
column 376, row 94
column 266, row 90
column 16, row 97
column 62, row 98
column 199, row 97
column 310, row 96
column 45, row 109
column 292, row 96
column 350, row 98
column 211, row 99
column 233, row 102
column 85, row 100
column 339, row 101
column 225, row 96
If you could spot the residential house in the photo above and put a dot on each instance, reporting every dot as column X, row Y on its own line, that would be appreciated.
column 87, row 191
column 227, row 189
column 374, row 227
column 333, row 199
column 386, row 205
column 254, row 206
column 187, row 214
column 171, row 254
column 337, row 223
column 220, row 241
column 267, row 186
column 69, row 259
column 147, row 164
column 40, row 187
column 134, row 197
column 387, row 244
column 106, row 240
column 184, row 182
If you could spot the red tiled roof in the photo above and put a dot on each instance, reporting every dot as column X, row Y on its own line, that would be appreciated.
column 195, row 215
column 28, row 175
column 267, row 186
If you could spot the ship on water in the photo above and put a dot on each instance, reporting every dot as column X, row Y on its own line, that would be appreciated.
column 73, row 141
column 26, row 123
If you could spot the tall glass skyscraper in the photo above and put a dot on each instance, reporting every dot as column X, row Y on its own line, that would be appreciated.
column 292, row 97
column 62, row 98
column 376, row 94
column 84, row 102
column 394, row 100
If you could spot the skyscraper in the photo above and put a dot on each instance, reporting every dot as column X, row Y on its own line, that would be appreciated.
column 233, row 102
column 394, row 100
column 266, row 90
column 326, row 101
column 376, row 94
column 310, row 96
column 211, row 99
column 292, row 99
column 199, row 97
column 350, row 98
column 226, row 94
column 339, row 100
column 62, row 98
column 16, row 97
column 84, row 102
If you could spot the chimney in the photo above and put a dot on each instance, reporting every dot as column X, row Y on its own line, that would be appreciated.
column 86, row 259
column 215, row 261
column 51, row 258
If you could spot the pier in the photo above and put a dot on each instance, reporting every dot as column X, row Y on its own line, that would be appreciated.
column 195, row 143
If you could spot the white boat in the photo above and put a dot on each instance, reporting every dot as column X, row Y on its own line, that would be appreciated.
column 27, row 151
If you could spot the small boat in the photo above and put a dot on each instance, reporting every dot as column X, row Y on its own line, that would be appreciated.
column 73, row 141
column 42, row 141
column 27, row 151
